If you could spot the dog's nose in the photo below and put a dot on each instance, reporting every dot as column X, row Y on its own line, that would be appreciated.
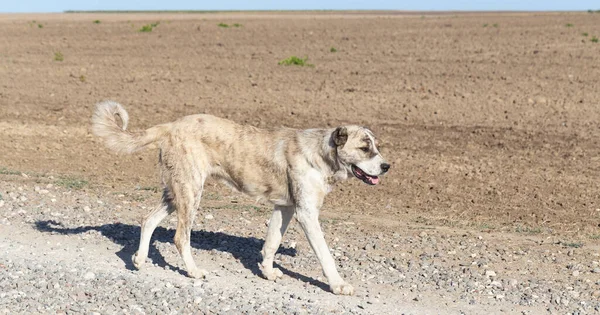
column 385, row 167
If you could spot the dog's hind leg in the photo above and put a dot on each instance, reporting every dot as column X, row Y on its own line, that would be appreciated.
column 277, row 226
column 187, row 197
column 149, row 224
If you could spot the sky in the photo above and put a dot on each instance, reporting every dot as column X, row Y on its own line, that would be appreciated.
column 419, row 5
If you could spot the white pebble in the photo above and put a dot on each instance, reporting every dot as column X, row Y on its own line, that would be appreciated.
column 89, row 276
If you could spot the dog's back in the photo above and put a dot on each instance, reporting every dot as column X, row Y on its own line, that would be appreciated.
column 249, row 159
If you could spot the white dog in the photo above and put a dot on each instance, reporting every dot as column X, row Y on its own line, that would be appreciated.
column 293, row 169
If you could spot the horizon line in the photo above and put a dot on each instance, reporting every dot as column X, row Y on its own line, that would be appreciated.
column 308, row 10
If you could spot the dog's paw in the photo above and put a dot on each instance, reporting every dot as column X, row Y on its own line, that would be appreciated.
column 270, row 273
column 138, row 262
column 197, row 273
column 342, row 289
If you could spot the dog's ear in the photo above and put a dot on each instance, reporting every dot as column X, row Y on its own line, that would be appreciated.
column 340, row 136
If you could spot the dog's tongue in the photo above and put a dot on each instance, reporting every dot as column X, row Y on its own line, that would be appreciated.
column 372, row 180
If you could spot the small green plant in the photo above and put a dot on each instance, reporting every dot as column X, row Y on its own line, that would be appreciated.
column 594, row 39
column 148, row 188
column 146, row 28
column 485, row 25
column 295, row 61
column 495, row 25
column 58, row 56
column 237, row 25
column 40, row 26
column 569, row 25
column 584, row 34
column 595, row 236
column 333, row 49
column 5, row 171
column 82, row 78
column 528, row 230
column 155, row 24
column 573, row 245
column 72, row 183
column 486, row 226
column 223, row 25
column 96, row 21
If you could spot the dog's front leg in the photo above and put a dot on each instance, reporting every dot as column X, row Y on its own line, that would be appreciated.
column 277, row 226
column 308, row 217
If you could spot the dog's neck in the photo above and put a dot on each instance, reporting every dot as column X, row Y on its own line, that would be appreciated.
column 324, row 157
column 335, row 170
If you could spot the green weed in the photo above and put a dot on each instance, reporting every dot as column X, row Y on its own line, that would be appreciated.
column 148, row 188
column 58, row 56
column 223, row 25
column 495, row 25
column 211, row 196
column 486, row 226
column 528, row 230
column 82, row 78
column 72, row 183
column 237, row 25
column 5, row 171
column 250, row 208
column 40, row 26
column 295, row 61
column 96, row 22
column 485, row 25
column 569, row 25
column 584, row 34
column 333, row 49
column 146, row 28
column 594, row 39
column 573, row 245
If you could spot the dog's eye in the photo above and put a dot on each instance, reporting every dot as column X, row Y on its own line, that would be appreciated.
column 365, row 149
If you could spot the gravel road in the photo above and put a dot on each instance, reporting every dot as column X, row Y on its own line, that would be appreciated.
column 68, row 251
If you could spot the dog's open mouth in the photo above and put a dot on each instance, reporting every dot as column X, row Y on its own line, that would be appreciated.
column 360, row 174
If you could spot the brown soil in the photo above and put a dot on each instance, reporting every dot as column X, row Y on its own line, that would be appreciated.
column 487, row 127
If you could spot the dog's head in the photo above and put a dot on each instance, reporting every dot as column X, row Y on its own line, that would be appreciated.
column 358, row 152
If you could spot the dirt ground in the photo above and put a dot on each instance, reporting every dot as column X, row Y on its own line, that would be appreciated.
column 490, row 121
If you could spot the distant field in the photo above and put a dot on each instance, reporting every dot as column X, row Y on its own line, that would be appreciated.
column 490, row 118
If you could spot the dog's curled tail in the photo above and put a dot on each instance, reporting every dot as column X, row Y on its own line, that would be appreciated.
column 119, row 139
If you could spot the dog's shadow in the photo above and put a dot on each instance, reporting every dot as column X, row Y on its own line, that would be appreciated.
column 244, row 249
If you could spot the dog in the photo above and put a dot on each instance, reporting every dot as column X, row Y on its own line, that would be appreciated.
column 293, row 169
